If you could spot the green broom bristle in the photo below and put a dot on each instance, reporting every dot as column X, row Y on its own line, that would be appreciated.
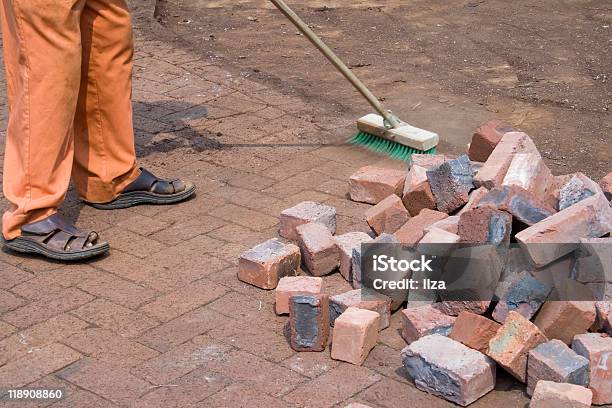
column 393, row 149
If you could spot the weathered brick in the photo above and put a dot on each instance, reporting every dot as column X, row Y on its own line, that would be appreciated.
column 416, row 175
column 519, row 202
column 455, row 307
column 427, row 160
column 372, row 184
column 528, row 171
column 422, row 321
column 448, row 369
column 555, row 361
column 320, row 255
column 496, row 166
column 512, row 343
column 355, row 334
column 383, row 238
column 437, row 242
column 413, row 230
column 560, row 233
column 418, row 198
column 521, row 293
column 293, row 285
column 597, row 348
column 309, row 322
column 473, row 199
column 474, row 331
column 36, row 364
column 603, row 320
column 594, row 260
column 387, row 216
column 450, row 224
column 346, row 243
column 550, row 394
column 606, row 185
column 564, row 319
column 486, row 137
column 361, row 299
column 303, row 213
column 451, row 182
column 484, row 226
column 264, row 264
column 577, row 188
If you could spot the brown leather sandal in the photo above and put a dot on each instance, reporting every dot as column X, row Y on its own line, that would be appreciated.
column 149, row 189
column 56, row 238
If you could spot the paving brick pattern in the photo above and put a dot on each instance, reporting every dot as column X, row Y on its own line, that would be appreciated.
column 163, row 321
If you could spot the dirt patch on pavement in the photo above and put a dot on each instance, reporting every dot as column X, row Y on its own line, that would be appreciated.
column 444, row 66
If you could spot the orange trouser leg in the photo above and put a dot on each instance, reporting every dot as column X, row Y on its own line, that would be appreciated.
column 42, row 54
column 104, row 158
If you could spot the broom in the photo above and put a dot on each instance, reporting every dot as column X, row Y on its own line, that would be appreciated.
column 383, row 133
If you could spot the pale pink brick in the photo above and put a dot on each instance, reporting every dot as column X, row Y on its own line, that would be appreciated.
column 413, row 230
column 355, row 335
column 549, row 394
column 486, row 138
column 361, row 299
column 449, row 224
column 427, row 160
column 528, row 171
column 424, row 320
column 597, row 348
column 416, row 175
column 304, row 213
column 606, row 185
column 437, row 242
column 496, row 166
column 320, row 255
column 264, row 264
column 293, row 285
column 564, row 319
column 387, row 216
column 346, row 243
column 512, row 343
column 446, row 368
column 590, row 218
column 603, row 319
column 474, row 331
column 372, row 184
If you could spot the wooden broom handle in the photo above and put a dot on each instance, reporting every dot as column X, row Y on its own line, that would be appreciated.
column 337, row 62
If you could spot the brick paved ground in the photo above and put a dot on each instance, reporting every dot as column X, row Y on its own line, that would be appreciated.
column 163, row 321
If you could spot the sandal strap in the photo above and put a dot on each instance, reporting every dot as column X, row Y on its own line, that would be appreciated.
column 147, row 181
column 57, row 233
column 51, row 224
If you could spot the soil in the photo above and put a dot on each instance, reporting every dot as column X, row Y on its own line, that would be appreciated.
column 445, row 66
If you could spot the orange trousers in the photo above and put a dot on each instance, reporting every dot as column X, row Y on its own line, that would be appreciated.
column 68, row 73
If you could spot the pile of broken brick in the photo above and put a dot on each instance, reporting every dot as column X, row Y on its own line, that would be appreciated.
column 500, row 191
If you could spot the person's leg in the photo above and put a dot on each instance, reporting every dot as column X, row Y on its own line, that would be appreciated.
column 105, row 160
column 42, row 54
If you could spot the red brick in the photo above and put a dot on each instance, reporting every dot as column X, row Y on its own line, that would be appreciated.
column 320, row 255
column 550, row 394
column 524, row 206
column 303, row 213
column 564, row 319
column 427, row 160
column 416, row 175
column 496, row 166
column 456, row 307
column 474, row 331
column 113, row 383
column 387, row 216
column 590, row 218
column 486, row 137
column 36, row 364
column 449, row 224
column 528, row 171
column 361, row 299
column 264, row 264
column 473, row 199
column 355, row 334
column 438, row 236
column 372, row 184
column 418, row 198
column 346, row 243
column 192, row 296
column 47, row 307
column 603, row 320
column 597, row 348
column 109, row 347
column 309, row 322
column 413, row 230
column 484, row 226
column 423, row 321
column 512, row 343
column 293, row 285
column 117, row 318
column 606, row 185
